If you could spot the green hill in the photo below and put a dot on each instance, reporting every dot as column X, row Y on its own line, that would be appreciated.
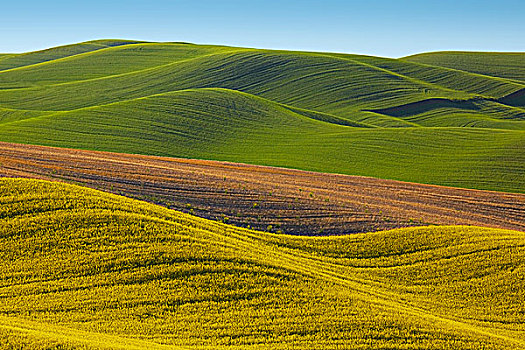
column 318, row 111
column 496, row 64
column 33, row 58
column 104, row 61
column 81, row 268
column 229, row 125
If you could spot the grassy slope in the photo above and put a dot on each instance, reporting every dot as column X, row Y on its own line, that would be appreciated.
column 481, row 84
column 3, row 56
column 98, row 63
column 206, row 123
column 471, row 113
column 504, row 65
column 31, row 58
column 8, row 115
column 307, row 81
column 314, row 81
column 83, row 268
column 152, row 111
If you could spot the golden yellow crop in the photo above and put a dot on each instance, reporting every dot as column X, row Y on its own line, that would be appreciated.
column 84, row 269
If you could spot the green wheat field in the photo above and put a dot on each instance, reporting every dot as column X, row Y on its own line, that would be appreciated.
column 399, row 119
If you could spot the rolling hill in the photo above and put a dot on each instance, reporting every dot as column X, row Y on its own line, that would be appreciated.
column 84, row 269
column 326, row 112
column 503, row 65
column 267, row 198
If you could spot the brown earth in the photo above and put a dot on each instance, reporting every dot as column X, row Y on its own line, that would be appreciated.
column 267, row 198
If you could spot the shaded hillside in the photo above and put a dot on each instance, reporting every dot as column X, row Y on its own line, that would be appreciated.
column 349, row 114
column 477, row 112
column 228, row 125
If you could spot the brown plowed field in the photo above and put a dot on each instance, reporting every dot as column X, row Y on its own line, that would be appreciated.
column 291, row 201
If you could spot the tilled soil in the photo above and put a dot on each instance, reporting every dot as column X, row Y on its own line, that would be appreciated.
column 267, row 198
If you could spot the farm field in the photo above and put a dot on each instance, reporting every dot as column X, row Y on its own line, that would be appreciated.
column 182, row 196
column 509, row 65
column 87, row 269
column 266, row 198
column 350, row 114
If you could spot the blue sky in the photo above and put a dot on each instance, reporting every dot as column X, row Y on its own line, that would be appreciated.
column 375, row 27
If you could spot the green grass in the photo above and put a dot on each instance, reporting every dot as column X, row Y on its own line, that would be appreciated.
column 98, row 63
column 316, row 111
column 459, row 113
column 496, row 64
column 80, row 268
column 229, row 125
column 8, row 115
column 313, row 81
column 33, row 58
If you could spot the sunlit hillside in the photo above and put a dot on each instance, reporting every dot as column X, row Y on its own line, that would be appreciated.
column 351, row 114
column 84, row 269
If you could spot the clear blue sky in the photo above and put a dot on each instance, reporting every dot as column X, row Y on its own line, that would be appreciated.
column 376, row 27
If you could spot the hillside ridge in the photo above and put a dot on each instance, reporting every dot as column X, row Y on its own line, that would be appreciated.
column 408, row 286
column 350, row 114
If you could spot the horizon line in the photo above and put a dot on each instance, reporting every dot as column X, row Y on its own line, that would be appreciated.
column 141, row 41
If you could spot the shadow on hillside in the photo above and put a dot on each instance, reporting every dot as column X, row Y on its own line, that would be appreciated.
column 419, row 107
column 515, row 99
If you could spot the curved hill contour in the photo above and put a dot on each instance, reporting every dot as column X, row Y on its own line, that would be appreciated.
column 32, row 58
column 326, row 112
column 509, row 65
column 81, row 268
column 268, row 198
column 228, row 125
